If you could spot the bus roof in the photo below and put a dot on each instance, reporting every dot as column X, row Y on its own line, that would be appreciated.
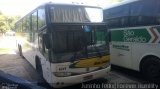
column 121, row 3
column 66, row 4
column 59, row 4
column 134, row 8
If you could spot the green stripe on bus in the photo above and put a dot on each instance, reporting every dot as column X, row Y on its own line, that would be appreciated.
column 131, row 35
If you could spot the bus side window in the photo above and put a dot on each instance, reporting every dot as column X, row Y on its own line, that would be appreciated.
column 158, row 13
column 33, row 26
column 143, row 13
column 117, row 17
column 158, row 19
column 34, row 21
column 41, row 18
column 40, row 43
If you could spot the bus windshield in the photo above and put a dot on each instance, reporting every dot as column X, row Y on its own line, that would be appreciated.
column 71, row 43
column 75, row 14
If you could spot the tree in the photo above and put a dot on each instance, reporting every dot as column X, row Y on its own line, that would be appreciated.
column 3, row 24
column 11, row 21
column 7, row 22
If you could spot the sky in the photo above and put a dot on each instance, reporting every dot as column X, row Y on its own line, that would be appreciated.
column 22, row 7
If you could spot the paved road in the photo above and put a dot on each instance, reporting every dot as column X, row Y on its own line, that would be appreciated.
column 17, row 66
column 12, row 63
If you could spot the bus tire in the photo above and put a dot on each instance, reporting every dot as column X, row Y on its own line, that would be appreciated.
column 42, row 82
column 150, row 68
column 20, row 50
column 39, row 67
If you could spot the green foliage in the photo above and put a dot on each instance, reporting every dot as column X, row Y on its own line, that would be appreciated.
column 7, row 22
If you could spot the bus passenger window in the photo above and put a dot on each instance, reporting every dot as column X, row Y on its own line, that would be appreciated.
column 41, row 18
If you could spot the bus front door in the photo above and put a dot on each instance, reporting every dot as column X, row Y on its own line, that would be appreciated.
column 121, row 54
column 44, row 57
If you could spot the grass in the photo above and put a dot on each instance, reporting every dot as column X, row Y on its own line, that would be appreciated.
column 5, row 50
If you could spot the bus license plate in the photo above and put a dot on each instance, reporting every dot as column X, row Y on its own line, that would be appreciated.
column 88, row 77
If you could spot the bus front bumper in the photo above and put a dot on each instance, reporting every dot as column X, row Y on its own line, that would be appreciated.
column 59, row 82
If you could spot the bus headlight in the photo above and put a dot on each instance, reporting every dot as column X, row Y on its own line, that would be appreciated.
column 105, row 66
column 62, row 74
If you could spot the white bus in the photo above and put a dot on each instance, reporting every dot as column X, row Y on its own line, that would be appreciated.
column 67, row 44
column 135, row 36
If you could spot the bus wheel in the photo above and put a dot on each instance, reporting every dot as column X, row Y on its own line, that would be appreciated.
column 39, row 67
column 151, row 69
column 41, row 81
column 20, row 50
